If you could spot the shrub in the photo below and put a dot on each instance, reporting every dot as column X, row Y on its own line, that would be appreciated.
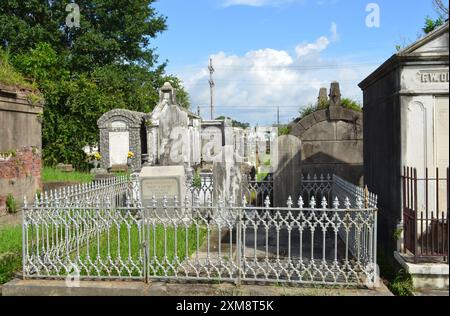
column 351, row 104
column 284, row 130
column 197, row 180
column 11, row 204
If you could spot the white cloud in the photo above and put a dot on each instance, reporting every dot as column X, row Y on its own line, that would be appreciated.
column 312, row 48
column 249, row 87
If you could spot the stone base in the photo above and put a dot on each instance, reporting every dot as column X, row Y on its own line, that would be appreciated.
column 99, row 171
column 119, row 168
column 127, row 288
column 425, row 275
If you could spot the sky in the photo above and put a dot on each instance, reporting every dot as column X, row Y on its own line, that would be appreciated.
column 279, row 53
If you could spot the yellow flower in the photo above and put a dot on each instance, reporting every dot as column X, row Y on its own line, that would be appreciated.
column 130, row 154
column 97, row 156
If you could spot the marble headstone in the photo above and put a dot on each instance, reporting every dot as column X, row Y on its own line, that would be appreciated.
column 161, row 181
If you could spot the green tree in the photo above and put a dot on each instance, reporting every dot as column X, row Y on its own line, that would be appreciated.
column 431, row 25
column 106, row 63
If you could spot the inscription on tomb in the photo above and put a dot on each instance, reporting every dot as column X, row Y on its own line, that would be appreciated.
column 433, row 76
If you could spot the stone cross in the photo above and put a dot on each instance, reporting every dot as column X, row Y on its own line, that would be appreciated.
column 335, row 94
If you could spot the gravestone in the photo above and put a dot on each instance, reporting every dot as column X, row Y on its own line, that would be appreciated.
column 227, row 176
column 287, row 175
column 160, row 182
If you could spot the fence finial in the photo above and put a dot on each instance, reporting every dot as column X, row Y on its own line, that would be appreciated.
column 300, row 202
column 347, row 203
column 244, row 201
column 267, row 202
column 336, row 203
column 289, row 202
column 25, row 204
column 324, row 203
column 312, row 203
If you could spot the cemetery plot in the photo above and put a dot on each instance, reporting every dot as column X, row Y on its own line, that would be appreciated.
column 110, row 238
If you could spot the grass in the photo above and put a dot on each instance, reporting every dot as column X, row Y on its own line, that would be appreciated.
column 161, row 242
column 53, row 175
column 126, row 242
column 397, row 280
column 50, row 174
column 11, row 77
column 10, row 251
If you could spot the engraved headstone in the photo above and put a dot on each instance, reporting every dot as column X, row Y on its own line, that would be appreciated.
column 160, row 182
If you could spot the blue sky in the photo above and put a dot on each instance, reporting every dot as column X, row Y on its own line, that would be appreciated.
column 270, row 53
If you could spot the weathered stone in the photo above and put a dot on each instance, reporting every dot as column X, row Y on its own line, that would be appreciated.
column 287, row 175
column 120, row 133
column 320, row 115
column 308, row 121
column 118, row 168
column 348, row 131
column 64, row 167
column 323, row 96
column 227, row 176
column 160, row 182
column 20, row 175
column 349, row 115
column 337, row 152
column 335, row 94
column 335, row 112
column 323, row 131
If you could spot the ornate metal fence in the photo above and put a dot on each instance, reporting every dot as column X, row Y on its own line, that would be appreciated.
column 259, row 190
column 318, row 243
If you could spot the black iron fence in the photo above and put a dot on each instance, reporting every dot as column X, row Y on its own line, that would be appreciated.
column 425, row 213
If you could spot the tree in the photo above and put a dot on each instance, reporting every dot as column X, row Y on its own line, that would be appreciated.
column 431, row 25
column 106, row 63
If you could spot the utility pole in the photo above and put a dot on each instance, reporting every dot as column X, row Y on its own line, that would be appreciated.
column 211, row 86
column 278, row 116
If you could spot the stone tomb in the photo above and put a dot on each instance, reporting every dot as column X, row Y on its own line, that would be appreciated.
column 120, row 133
column 160, row 182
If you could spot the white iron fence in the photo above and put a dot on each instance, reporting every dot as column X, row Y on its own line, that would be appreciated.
column 318, row 243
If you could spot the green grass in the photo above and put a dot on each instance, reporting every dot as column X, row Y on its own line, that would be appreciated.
column 10, row 252
column 397, row 280
column 53, row 175
column 161, row 242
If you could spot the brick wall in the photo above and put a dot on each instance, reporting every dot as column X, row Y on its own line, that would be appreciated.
column 20, row 175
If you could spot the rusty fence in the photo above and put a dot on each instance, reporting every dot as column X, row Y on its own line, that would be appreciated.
column 425, row 213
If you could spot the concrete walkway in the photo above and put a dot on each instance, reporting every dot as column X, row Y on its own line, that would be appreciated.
column 101, row 288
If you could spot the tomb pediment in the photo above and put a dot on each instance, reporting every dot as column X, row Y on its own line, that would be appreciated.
column 434, row 43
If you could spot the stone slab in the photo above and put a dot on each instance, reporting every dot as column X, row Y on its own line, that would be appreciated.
column 118, row 288
column 287, row 176
column 161, row 181
column 308, row 121
column 426, row 275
